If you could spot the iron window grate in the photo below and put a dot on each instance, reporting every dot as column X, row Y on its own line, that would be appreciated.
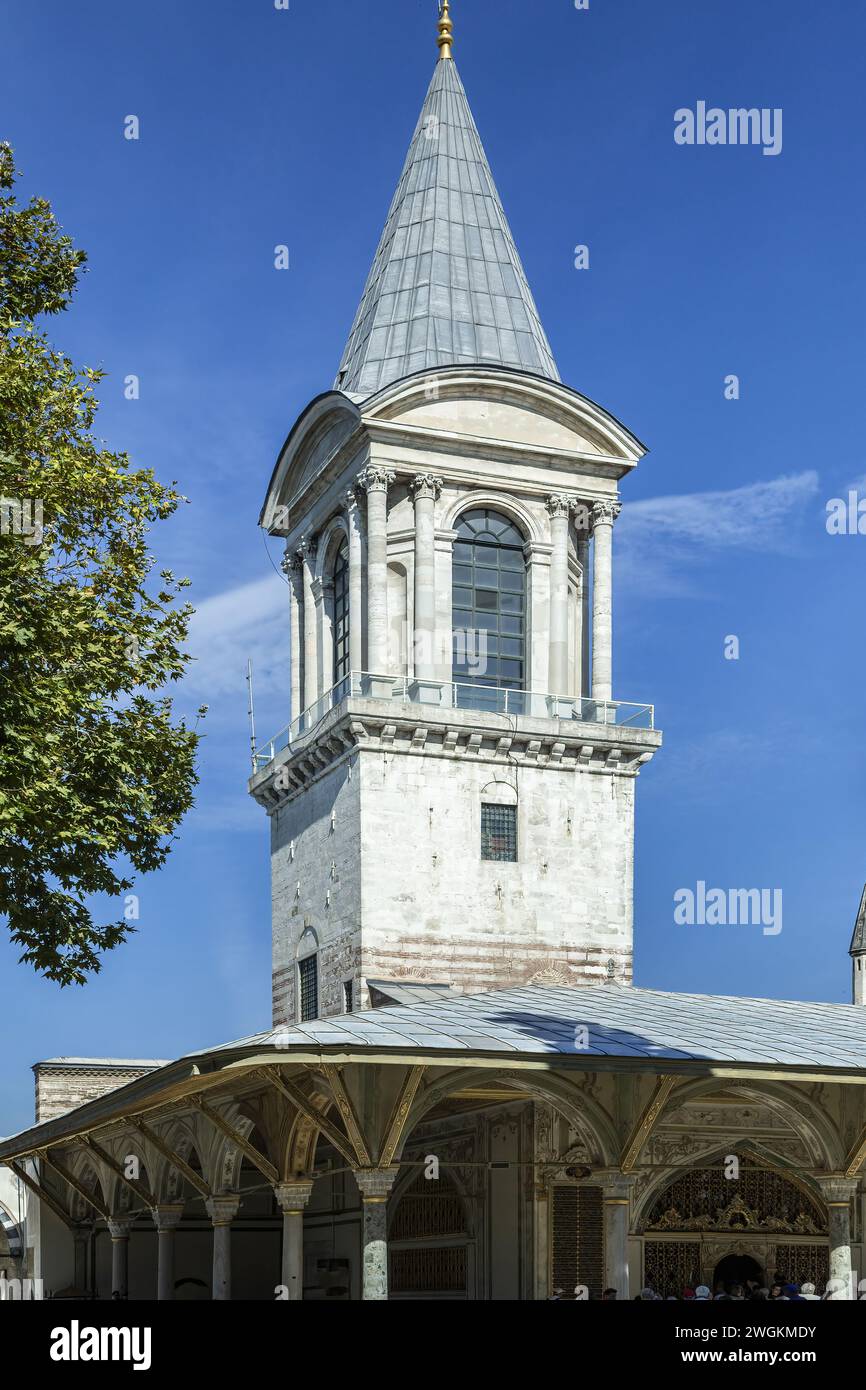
column 499, row 832
column 308, row 969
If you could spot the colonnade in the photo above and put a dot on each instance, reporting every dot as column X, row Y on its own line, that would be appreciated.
column 367, row 532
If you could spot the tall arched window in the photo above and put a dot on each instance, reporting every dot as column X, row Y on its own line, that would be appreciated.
column 341, row 614
column 489, row 602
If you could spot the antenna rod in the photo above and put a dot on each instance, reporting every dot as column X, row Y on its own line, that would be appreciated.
column 252, row 713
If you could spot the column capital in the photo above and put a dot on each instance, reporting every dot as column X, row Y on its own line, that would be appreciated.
column 353, row 506
column 223, row 1209
column 373, row 479
column 291, row 563
column 307, row 548
column 617, row 1188
column 167, row 1216
column 119, row 1229
column 293, row 1196
column 559, row 504
column 426, row 485
column 375, row 1183
column 605, row 513
column 836, row 1190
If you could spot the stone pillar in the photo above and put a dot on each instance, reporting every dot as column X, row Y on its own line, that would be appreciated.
column 604, row 514
column 166, row 1219
column 837, row 1193
column 558, row 506
column 356, row 583
column 222, row 1211
column 584, row 619
column 541, row 1212
column 80, row 1239
column 292, row 568
column 323, row 591
column 120, row 1257
column 425, row 490
column 375, row 1184
column 307, row 554
column 293, row 1198
column 617, row 1204
column 375, row 482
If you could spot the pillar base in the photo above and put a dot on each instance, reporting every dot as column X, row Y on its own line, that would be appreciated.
column 425, row 692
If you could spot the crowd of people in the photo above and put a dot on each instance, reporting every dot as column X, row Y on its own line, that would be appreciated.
column 781, row 1290
column 750, row 1291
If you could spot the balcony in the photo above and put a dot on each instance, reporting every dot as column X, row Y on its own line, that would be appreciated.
column 483, row 699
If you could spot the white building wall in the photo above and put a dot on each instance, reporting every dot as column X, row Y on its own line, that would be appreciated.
column 435, row 910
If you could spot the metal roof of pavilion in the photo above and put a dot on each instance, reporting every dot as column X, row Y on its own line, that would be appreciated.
column 621, row 1022
column 525, row 1027
column 447, row 285
column 858, row 940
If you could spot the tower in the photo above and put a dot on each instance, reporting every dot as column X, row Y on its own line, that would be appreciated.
column 857, row 952
column 452, row 803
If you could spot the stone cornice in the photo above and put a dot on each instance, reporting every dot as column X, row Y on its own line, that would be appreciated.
column 360, row 726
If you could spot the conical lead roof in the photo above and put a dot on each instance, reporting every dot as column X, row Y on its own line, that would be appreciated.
column 447, row 285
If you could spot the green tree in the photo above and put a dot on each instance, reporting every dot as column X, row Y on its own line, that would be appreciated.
column 96, row 772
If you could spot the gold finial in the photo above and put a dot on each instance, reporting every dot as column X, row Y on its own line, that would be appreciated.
column 446, row 30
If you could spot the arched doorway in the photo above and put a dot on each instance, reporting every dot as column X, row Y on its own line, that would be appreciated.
column 737, row 1269
column 704, row 1220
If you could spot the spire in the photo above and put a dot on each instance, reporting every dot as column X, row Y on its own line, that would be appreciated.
column 858, row 940
column 446, row 286
column 446, row 30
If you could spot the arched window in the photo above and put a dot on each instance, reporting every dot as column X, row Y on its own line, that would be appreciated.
column 489, row 602
column 341, row 614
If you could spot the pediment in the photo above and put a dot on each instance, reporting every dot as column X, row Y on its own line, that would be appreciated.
column 506, row 408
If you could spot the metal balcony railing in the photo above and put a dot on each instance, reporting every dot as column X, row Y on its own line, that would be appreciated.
column 486, row 699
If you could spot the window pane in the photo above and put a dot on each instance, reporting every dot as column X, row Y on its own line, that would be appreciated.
column 513, row 581
column 499, row 832
column 308, row 972
column 495, row 603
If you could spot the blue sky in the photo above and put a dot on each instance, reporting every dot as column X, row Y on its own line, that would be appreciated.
column 261, row 127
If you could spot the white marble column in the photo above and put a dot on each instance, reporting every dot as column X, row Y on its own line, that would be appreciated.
column 166, row 1219
column 838, row 1193
column 119, row 1231
column 356, row 583
column 375, row 1184
column 80, row 1238
column 584, row 624
column 293, row 1198
column 559, row 507
column 617, row 1190
column 541, row 1213
column 425, row 490
column 375, row 482
column 292, row 568
column 222, row 1211
column 604, row 514
column 307, row 553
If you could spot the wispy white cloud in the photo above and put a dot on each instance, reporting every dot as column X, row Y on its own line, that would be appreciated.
column 659, row 539
column 250, row 621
